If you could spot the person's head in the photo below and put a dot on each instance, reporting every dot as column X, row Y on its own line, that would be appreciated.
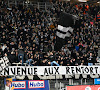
column 6, row 54
column 8, row 82
column 90, row 54
column 66, row 57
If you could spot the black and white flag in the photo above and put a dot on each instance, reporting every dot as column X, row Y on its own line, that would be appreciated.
column 65, row 29
column 4, row 62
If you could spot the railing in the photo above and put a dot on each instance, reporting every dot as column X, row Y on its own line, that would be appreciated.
column 17, row 64
column 61, row 84
column 39, row 5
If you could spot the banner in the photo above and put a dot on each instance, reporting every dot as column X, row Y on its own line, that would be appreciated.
column 97, row 81
column 83, row 87
column 26, row 84
column 50, row 70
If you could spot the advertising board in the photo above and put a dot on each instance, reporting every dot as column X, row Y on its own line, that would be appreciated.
column 97, row 81
column 13, row 84
column 83, row 87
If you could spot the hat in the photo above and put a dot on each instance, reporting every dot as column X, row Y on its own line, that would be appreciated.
column 9, row 79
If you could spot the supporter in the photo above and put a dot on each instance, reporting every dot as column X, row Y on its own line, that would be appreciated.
column 29, row 61
column 91, row 59
column 54, row 63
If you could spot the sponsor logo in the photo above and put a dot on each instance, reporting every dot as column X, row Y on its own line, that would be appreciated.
column 18, row 84
column 87, row 88
column 36, row 84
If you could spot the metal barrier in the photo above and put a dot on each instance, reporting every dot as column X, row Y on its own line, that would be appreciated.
column 39, row 5
column 17, row 64
column 61, row 84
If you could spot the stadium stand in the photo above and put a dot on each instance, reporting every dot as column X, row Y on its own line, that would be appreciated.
column 28, row 35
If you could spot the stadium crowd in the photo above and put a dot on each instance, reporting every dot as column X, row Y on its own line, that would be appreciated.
column 28, row 35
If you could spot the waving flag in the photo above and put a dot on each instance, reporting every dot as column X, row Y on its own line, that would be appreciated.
column 4, row 62
column 65, row 29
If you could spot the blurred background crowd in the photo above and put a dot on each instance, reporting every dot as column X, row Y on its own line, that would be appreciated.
column 28, row 35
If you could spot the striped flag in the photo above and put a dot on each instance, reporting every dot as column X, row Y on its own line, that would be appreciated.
column 65, row 29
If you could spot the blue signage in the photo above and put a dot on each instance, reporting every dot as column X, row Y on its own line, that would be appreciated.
column 30, row 84
column 97, row 81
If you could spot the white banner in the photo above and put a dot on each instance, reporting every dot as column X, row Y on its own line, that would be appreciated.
column 50, row 70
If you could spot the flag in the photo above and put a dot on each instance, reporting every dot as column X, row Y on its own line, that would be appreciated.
column 4, row 62
column 65, row 29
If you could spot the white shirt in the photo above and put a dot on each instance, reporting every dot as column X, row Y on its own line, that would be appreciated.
column 7, row 88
